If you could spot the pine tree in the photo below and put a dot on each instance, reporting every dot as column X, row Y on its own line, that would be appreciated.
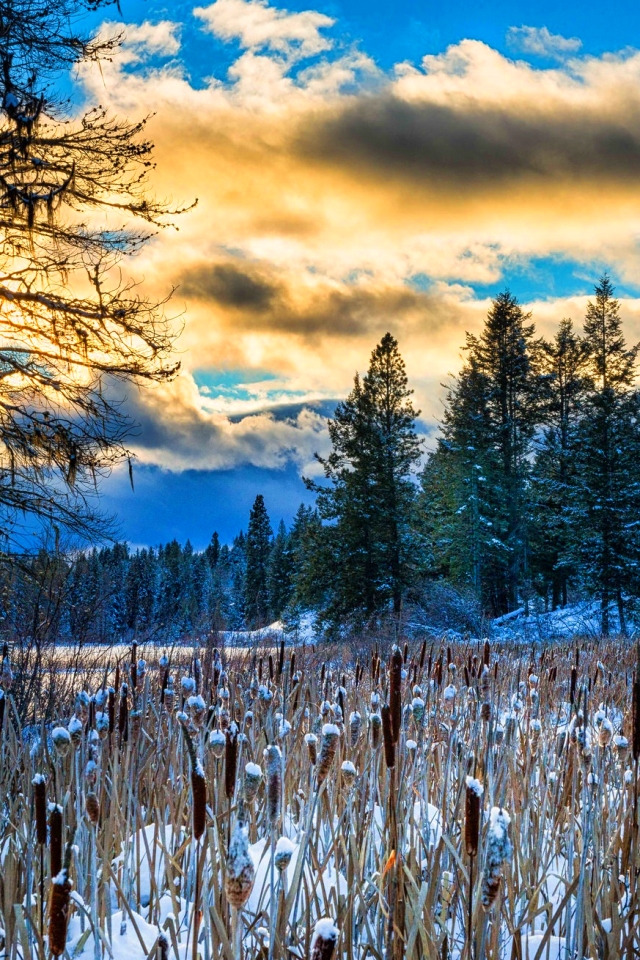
column 554, row 474
column 607, row 540
column 370, row 496
column 258, row 550
column 280, row 573
column 475, row 487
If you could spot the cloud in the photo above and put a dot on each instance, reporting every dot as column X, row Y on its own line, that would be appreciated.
column 338, row 202
column 539, row 42
column 256, row 25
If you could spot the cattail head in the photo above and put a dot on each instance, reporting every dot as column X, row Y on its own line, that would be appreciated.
column 473, row 806
column 217, row 743
column 395, row 692
column 55, row 838
column 273, row 763
column 162, row 947
column 231, row 761
column 198, row 787
column 283, row 853
column 240, row 872
column 325, row 937
column 328, row 747
column 59, row 904
column 498, row 851
column 312, row 746
column 92, row 807
column 387, row 736
column 75, row 730
column 61, row 739
column 348, row 774
column 252, row 781
column 40, row 807
column 355, row 723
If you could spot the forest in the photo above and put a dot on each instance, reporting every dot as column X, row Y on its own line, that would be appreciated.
column 530, row 498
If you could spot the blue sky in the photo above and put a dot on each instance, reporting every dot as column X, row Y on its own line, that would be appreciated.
column 359, row 166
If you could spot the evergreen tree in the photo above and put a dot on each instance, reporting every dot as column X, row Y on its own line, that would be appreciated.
column 280, row 572
column 554, row 473
column 212, row 552
column 236, row 588
column 258, row 550
column 367, row 549
column 608, row 463
column 475, row 486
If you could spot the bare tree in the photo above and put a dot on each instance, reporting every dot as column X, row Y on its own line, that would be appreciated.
column 73, row 203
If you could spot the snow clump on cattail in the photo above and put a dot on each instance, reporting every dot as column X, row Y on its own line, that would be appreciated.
column 240, row 873
column 283, row 853
column 499, row 850
column 325, row 936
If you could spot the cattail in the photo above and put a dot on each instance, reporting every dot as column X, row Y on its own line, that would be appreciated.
column 328, row 747
column 281, row 659
column 75, row 731
column 395, row 693
column 387, row 736
column 61, row 739
column 622, row 746
column 375, row 726
column 198, row 787
column 217, row 743
column 55, row 838
column 111, row 709
column 40, row 807
column 348, row 774
column 355, row 722
column 3, row 704
column 486, row 653
column 273, row 763
column 92, row 807
column 283, row 853
column 252, row 781
column 605, row 733
column 473, row 805
column 498, row 851
column 231, row 761
column 572, row 686
column 312, row 747
column 59, row 907
column 325, row 937
column 240, row 872
column 123, row 715
column 535, row 731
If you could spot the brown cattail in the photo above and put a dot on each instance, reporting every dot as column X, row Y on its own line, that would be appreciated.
column 572, row 687
column 281, row 659
column 395, row 693
column 328, row 747
column 231, row 761
column 55, row 839
column 111, row 709
column 40, row 807
column 59, row 907
column 387, row 736
column 240, row 873
column 325, row 937
column 273, row 763
column 92, row 807
column 375, row 726
column 198, row 788
column 123, row 715
column 312, row 746
column 486, row 653
column 473, row 804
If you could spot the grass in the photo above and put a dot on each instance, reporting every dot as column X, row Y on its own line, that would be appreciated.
column 171, row 845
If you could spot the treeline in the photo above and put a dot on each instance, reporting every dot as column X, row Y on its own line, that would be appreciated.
column 532, row 493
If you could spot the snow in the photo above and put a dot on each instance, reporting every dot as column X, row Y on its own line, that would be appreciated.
column 325, row 929
column 474, row 786
column 330, row 730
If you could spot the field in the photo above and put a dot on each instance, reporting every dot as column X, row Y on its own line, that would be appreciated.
column 427, row 801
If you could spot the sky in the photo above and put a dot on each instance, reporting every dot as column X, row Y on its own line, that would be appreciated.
column 359, row 167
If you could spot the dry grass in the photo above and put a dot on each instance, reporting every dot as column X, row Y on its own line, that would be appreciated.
column 381, row 849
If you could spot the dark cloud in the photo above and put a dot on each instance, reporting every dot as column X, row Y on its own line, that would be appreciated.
column 230, row 286
column 470, row 145
column 261, row 302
